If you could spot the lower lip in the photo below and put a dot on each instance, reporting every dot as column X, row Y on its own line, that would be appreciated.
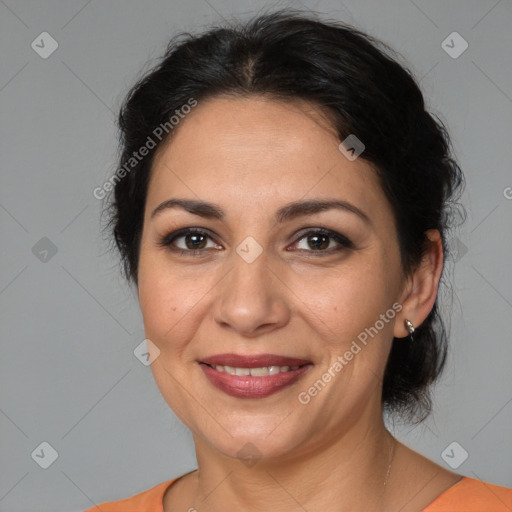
column 252, row 387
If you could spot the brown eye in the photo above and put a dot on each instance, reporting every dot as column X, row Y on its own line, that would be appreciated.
column 323, row 241
column 195, row 241
column 189, row 240
column 318, row 241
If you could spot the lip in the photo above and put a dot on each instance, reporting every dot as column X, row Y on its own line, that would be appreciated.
column 248, row 386
column 253, row 361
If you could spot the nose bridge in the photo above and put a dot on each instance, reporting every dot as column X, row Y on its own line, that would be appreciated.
column 250, row 267
column 249, row 298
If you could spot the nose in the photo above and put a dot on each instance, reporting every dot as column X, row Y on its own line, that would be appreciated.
column 251, row 300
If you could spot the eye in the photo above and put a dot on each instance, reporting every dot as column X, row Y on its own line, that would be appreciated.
column 194, row 242
column 322, row 240
column 190, row 241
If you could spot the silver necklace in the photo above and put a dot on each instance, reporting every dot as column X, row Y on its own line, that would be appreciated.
column 391, row 457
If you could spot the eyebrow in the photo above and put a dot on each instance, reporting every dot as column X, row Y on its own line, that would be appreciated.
column 286, row 213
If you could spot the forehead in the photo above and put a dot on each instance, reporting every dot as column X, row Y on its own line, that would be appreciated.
column 233, row 149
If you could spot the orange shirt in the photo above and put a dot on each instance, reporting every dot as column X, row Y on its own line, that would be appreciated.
column 467, row 495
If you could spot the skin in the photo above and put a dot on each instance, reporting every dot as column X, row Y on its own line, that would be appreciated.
column 251, row 156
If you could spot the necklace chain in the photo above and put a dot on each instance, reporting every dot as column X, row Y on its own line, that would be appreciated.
column 391, row 457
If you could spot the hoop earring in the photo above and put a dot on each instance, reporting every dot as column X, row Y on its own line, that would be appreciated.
column 410, row 328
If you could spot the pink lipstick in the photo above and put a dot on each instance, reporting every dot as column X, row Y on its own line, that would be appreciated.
column 253, row 376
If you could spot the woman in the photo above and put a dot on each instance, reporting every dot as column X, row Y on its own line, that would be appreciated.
column 282, row 206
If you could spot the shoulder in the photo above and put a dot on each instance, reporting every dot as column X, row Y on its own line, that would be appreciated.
column 150, row 500
column 472, row 495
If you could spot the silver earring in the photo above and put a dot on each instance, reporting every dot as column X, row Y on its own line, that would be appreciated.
column 410, row 328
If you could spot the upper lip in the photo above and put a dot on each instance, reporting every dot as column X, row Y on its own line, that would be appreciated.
column 253, row 361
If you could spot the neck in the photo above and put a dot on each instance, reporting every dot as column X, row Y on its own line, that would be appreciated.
column 351, row 471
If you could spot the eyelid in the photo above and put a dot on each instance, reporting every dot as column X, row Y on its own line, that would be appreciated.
column 168, row 239
column 340, row 239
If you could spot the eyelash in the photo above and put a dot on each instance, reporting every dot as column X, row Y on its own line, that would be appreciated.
column 344, row 242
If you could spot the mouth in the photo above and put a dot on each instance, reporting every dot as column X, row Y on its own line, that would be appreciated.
column 255, row 376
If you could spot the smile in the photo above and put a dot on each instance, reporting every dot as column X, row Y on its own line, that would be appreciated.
column 261, row 371
column 256, row 376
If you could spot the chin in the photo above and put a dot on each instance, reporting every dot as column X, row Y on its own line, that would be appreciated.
column 261, row 440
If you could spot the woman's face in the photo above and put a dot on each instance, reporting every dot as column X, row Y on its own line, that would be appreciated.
column 264, row 281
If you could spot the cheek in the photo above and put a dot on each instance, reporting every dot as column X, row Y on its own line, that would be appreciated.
column 346, row 300
column 162, row 299
column 164, row 303
column 171, row 299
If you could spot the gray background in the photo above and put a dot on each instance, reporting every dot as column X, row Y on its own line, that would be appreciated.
column 69, row 325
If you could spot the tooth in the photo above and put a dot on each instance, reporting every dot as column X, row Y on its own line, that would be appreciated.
column 259, row 372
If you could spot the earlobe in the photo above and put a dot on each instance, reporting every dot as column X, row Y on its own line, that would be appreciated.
column 421, row 291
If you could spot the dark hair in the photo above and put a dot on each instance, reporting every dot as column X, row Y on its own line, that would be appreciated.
column 364, row 90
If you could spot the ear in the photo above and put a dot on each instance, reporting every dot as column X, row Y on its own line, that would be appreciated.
column 420, row 291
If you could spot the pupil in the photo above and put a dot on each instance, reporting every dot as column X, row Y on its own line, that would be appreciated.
column 194, row 238
column 319, row 241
